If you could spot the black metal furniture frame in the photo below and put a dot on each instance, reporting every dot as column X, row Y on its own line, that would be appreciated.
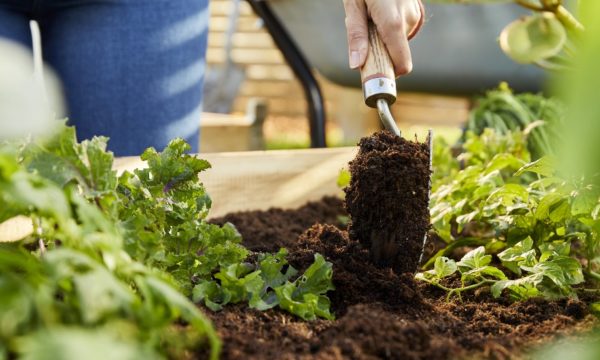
column 301, row 68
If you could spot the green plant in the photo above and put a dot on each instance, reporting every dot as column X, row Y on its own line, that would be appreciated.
column 540, row 118
column 163, row 211
column 72, row 276
column 536, row 222
column 113, row 259
column 267, row 284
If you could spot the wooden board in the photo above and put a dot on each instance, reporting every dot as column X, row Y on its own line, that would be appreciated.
column 248, row 181
column 262, row 179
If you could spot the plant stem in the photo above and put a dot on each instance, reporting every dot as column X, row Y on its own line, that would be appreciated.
column 550, row 65
column 562, row 14
column 459, row 290
column 528, row 5
column 594, row 275
column 589, row 290
column 568, row 20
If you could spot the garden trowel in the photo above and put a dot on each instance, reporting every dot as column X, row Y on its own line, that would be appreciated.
column 379, row 88
column 379, row 81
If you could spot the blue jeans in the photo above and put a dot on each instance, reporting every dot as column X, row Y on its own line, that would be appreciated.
column 132, row 70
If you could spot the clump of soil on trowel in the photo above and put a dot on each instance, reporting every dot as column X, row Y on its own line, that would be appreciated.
column 388, row 199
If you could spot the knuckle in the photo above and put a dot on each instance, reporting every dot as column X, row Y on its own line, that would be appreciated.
column 404, row 68
column 396, row 24
column 355, row 34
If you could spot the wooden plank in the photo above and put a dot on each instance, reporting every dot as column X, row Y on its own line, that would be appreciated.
column 218, row 120
column 262, row 179
column 246, row 56
column 269, row 72
column 224, row 7
column 241, row 40
column 253, row 180
column 244, row 24
column 292, row 106
column 271, row 89
column 429, row 115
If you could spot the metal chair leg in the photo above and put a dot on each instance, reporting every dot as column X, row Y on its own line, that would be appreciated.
column 300, row 67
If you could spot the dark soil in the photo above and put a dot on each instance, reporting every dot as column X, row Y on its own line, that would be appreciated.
column 269, row 230
column 382, row 314
column 388, row 199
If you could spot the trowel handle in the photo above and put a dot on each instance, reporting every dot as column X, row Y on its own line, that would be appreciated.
column 377, row 74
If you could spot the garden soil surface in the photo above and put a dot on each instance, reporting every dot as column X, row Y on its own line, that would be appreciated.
column 380, row 313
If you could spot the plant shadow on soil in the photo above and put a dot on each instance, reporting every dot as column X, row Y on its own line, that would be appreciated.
column 380, row 313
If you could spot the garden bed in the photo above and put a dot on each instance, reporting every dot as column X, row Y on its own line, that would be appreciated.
column 379, row 314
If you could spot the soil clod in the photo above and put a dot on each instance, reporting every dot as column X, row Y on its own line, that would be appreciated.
column 388, row 199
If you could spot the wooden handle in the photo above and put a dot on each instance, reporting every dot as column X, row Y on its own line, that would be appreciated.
column 378, row 63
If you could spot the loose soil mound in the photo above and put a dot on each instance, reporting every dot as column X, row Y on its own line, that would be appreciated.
column 388, row 199
column 268, row 230
column 382, row 314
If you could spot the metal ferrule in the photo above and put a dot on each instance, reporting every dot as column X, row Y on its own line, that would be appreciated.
column 379, row 88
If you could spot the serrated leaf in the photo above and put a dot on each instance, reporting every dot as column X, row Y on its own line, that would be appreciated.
column 519, row 254
column 271, row 267
column 208, row 293
column 474, row 259
column 444, row 267
column 545, row 166
column 508, row 194
column 502, row 161
column 553, row 206
column 560, row 212
column 305, row 305
column 493, row 272
column 317, row 278
column 521, row 289
column 585, row 201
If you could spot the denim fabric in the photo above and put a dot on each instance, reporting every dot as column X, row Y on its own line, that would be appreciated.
column 132, row 69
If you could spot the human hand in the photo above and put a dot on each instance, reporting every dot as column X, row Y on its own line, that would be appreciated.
column 397, row 21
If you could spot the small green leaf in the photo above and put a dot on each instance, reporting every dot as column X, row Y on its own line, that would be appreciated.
column 509, row 194
column 208, row 293
column 444, row 267
column 595, row 308
column 474, row 259
column 343, row 178
column 519, row 254
column 493, row 272
column 317, row 278
column 553, row 206
column 520, row 289
column 545, row 166
column 585, row 201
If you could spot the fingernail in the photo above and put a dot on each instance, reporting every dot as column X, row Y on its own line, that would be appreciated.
column 354, row 59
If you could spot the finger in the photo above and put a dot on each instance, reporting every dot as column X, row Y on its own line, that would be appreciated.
column 417, row 27
column 396, row 41
column 356, row 30
column 401, row 57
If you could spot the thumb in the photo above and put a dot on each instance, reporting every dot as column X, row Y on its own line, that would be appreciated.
column 356, row 29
